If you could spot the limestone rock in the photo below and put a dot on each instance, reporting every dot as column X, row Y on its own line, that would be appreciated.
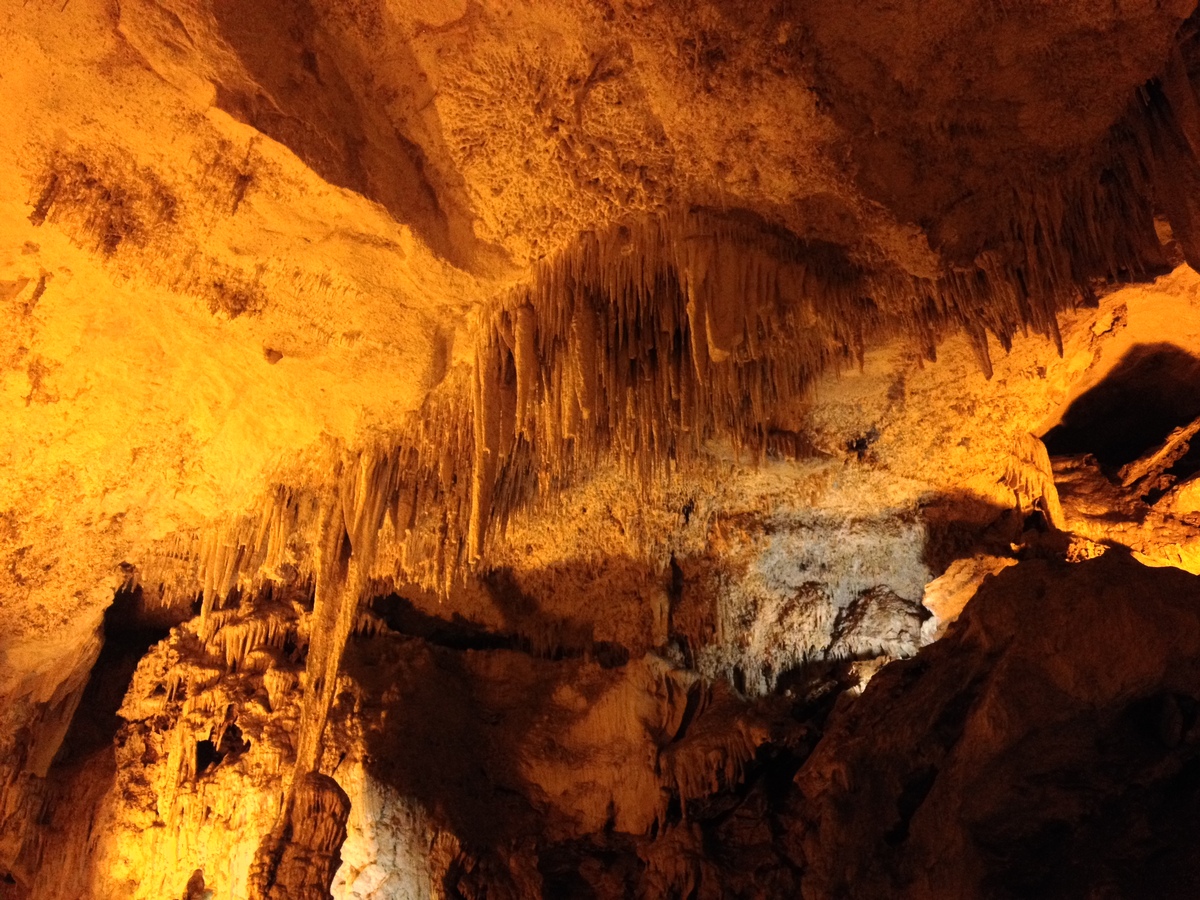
column 528, row 422
column 300, row 862
column 1046, row 747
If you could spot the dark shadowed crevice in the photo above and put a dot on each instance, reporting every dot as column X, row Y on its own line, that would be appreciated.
column 82, row 774
column 913, row 794
column 129, row 631
column 456, row 633
column 1154, row 389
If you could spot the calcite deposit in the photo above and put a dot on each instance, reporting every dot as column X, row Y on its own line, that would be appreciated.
column 599, row 449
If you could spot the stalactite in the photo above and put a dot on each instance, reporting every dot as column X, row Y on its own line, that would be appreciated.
column 585, row 350
column 979, row 343
column 526, row 361
column 351, row 523
column 647, row 340
column 1176, row 179
column 237, row 638
column 486, row 411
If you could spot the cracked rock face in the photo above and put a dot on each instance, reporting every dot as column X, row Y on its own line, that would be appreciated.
column 601, row 449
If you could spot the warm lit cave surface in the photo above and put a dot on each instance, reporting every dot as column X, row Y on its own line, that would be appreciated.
column 599, row 449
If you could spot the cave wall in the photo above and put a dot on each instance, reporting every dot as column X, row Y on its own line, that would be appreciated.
column 611, row 335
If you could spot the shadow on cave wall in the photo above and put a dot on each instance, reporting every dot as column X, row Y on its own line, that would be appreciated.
column 303, row 96
column 959, row 524
column 476, row 701
column 471, row 709
column 1134, row 837
column 457, row 735
column 130, row 630
column 464, row 730
column 84, row 768
column 524, row 625
column 1154, row 389
column 457, row 632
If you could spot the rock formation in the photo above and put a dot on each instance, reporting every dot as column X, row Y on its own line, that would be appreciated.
column 1047, row 747
column 599, row 448
column 300, row 861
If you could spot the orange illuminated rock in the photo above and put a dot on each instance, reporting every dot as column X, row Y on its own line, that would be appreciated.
column 299, row 862
column 616, row 377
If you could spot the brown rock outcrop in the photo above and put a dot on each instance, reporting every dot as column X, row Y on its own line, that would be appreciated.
column 1049, row 746
column 299, row 862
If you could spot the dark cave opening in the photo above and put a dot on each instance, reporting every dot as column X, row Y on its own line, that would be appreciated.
column 230, row 744
column 130, row 629
column 1186, row 466
column 206, row 755
column 402, row 616
column 85, row 765
column 1154, row 389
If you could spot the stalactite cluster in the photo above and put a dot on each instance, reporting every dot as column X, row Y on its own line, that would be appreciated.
column 647, row 340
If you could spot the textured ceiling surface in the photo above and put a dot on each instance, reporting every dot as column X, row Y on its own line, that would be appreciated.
column 294, row 213
column 356, row 295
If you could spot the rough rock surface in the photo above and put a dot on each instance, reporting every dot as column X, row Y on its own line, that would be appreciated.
column 299, row 863
column 591, row 391
column 1047, row 747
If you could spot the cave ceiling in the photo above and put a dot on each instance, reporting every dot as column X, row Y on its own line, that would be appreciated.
column 304, row 214
column 358, row 298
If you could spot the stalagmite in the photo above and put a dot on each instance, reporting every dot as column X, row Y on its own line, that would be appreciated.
column 300, row 863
